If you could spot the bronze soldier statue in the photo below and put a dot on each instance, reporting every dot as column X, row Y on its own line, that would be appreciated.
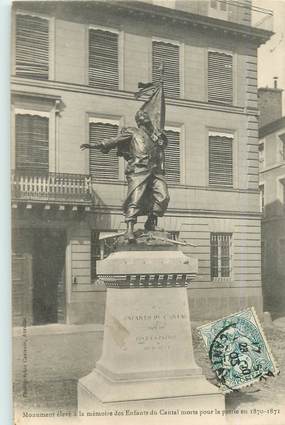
column 143, row 149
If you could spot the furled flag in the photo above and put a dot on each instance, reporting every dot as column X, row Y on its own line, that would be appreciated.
column 155, row 104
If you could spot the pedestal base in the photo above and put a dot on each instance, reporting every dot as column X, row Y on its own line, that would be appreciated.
column 206, row 407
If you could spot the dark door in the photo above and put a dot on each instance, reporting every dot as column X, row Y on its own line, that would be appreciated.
column 48, row 276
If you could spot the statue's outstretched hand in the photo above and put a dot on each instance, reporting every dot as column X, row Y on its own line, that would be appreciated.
column 88, row 146
column 84, row 146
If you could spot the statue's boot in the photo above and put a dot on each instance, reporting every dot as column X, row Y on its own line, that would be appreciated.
column 130, row 232
column 151, row 223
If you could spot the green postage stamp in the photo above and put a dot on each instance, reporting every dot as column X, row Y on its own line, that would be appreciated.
column 238, row 350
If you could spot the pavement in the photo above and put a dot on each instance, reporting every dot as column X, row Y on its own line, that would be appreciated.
column 54, row 357
column 280, row 323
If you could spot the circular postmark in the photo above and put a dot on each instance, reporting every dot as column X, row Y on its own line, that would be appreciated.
column 238, row 354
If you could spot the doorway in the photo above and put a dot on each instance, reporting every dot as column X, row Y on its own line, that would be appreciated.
column 48, row 276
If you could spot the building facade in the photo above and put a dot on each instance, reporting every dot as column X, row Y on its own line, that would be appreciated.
column 272, row 197
column 75, row 69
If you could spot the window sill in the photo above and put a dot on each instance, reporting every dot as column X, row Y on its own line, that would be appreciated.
column 222, row 280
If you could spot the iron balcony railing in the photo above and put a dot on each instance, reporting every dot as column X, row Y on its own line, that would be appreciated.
column 51, row 187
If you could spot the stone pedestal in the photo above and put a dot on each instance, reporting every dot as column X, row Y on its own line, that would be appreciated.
column 147, row 357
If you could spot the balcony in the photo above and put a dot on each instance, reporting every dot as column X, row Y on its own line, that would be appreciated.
column 50, row 188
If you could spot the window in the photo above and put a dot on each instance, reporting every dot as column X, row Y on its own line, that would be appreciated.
column 103, row 59
column 282, row 182
column 220, row 255
column 261, row 189
column 220, row 159
column 282, row 146
column 167, row 54
column 172, row 156
column 281, row 256
column 220, row 78
column 103, row 166
column 263, row 256
column 32, row 143
column 223, row 5
column 213, row 4
column 261, row 154
column 173, row 235
column 32, row 47
column 100, row 249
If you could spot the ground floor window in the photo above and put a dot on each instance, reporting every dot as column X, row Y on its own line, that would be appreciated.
column 100, row 248
column 281, row 257
column 220, row 244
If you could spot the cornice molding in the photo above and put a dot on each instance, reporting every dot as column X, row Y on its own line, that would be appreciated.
column 154, row 12
column 25, row 84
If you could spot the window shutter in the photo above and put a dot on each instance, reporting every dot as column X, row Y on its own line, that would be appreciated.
column 220, row 161
column 172, row 157
column 32, row 145
column 168, row 54
column 103, row 166
column 103, row 59
column 32, row 47
column 220, row 78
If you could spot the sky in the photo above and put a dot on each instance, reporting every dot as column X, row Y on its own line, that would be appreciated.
column 271, row 55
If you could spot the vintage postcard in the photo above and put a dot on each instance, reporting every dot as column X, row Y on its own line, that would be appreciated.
column 148, row 193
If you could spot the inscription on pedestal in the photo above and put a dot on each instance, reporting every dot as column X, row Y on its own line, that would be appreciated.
column 144, row 334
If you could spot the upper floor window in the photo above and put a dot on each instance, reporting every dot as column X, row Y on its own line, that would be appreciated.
column 220, row 245
column 220, row 159
column 32, row 47
column 168, row 55
column 32, row 143
column 103, row 166
column 220, row 78
column 172, row 156
column 103, row 59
